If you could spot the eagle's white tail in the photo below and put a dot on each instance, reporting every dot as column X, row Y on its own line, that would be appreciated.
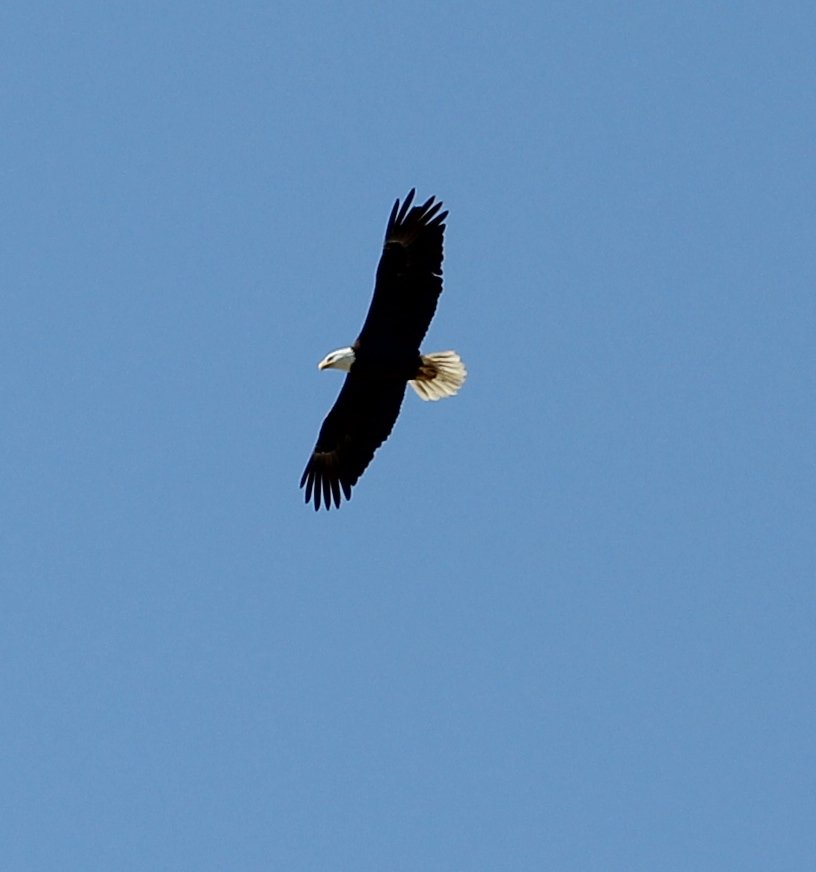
column 440, row 375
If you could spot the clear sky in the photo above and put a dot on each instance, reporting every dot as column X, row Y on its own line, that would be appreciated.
column 567, row 620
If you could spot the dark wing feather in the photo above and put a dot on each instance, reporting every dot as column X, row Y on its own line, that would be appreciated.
column 409, row 279
column 359, row 422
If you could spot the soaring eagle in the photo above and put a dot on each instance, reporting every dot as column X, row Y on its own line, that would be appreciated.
column 386, row 356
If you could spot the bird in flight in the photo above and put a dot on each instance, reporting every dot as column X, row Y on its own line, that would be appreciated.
column 386, row 356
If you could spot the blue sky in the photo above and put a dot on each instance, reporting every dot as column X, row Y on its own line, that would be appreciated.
column 567, row 620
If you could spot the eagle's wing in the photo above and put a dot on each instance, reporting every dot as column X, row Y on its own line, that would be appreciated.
column 409, row 279
column 359, row 422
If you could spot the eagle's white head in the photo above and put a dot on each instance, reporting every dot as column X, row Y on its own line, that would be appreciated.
column 340, row 359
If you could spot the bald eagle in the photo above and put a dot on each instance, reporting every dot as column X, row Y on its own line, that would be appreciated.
column 385, row 356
